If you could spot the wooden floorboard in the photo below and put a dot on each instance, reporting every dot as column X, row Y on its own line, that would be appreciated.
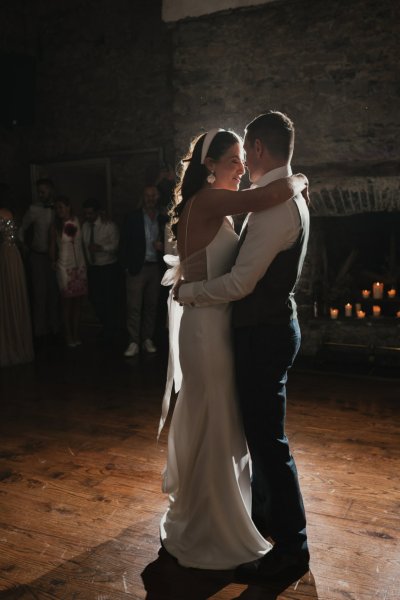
column 80, row 472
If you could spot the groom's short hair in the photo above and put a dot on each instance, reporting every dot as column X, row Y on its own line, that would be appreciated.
column 275, row 130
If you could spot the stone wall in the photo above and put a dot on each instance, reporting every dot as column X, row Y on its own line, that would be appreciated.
column 332, row 66
column 102, row 88
column 107, row 72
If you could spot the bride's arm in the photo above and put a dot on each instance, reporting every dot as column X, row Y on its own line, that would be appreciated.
column 219, row 203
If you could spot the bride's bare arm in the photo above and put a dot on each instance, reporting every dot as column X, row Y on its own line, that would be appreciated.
column 219, row 203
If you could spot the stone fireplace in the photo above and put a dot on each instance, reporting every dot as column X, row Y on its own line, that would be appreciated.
column 354, row 243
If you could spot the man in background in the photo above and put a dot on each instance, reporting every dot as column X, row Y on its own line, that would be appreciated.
column 45, row 296
column 142, row 244
column 100, row 238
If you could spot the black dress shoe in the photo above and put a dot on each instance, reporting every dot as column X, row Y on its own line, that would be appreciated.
column 276, row 565
column 261, row 526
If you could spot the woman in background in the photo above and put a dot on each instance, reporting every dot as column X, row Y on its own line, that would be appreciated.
column 15, row 319
column 68, row 261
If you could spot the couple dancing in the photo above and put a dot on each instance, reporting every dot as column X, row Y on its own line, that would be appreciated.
column 235, row 357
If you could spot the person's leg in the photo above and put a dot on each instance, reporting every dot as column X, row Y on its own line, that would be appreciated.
column 263, row 357
column 134, row 301
column 110, row 293
column 39, row 286
column 52, row 299
column 66, row 304
column 96, row 291
column 150, row 301
column 76, row 304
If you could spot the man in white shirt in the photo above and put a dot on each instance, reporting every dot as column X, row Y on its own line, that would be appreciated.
column 267, row 339
column 39, row 217
column 100, row 238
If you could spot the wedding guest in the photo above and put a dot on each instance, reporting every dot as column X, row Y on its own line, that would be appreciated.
column 165, row 182
column 15, row 321
column 39, row 217
column 67, row 258
column 163, row 177
column 100, row 238
column 141, row 253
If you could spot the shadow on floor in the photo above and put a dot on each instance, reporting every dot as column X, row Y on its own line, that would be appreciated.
column 165, row 579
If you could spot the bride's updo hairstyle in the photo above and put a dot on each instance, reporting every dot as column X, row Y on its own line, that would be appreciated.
column 193, row 173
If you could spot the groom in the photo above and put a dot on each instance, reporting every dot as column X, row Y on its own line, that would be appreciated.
column 266, row 340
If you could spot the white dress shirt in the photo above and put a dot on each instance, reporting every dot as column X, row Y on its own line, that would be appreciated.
column 268, row 233
column 106, row 235
column 40, row 217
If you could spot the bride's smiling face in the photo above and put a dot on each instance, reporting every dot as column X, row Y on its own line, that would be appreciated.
column 229, row 169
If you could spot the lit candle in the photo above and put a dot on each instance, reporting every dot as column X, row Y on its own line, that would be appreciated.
column 334, row 313
column 366, row 293
column 348, row 309
column 377, row 290
column 360, row 314
column 391, row 293
column 376, row 311
column 398, row 314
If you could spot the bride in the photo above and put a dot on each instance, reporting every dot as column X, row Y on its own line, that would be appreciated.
column 208, row 522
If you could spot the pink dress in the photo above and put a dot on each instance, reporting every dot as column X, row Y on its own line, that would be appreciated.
column 70, row 266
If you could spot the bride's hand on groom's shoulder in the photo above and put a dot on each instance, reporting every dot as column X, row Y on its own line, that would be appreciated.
column 306, row 195
column 306, row 191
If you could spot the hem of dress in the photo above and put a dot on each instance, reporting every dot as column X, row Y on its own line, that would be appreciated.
column 213, row 567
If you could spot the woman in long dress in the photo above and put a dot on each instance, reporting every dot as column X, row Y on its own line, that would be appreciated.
column 15, row 320
column 208, row 523
column 69, row 263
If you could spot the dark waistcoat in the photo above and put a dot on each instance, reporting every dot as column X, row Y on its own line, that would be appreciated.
column 272, row 300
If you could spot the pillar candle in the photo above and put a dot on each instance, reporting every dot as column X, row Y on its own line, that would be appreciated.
column 348, row 309
column 377, row 290
column 366, row 293
column 376, row 311
column 334, row 313
column 360, row 314
column 391, row 293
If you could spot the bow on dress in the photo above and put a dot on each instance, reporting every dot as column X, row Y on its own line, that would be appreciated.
column 174, row 373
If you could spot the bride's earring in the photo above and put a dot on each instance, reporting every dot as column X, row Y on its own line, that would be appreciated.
column 211, row 177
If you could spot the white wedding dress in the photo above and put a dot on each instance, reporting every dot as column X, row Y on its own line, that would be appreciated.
column 208, row 523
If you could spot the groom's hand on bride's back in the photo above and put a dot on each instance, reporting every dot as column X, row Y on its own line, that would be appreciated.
column 175, row 289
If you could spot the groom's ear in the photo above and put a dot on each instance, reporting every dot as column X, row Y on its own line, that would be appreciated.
column 258, row 147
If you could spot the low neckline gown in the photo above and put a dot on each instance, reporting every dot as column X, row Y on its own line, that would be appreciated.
column 208, row 523
column 16, row 345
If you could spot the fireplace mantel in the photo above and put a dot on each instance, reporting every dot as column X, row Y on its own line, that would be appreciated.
column 337, row 196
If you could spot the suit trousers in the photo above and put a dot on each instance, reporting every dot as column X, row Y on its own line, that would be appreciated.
column 263, row 355
column 104, row 288
column 45, row 292
column 142, row 291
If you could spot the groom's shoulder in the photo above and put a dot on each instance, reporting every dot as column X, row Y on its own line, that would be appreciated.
column 272, row 214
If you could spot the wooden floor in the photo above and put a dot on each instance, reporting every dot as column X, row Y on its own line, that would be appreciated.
column 80, row 497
